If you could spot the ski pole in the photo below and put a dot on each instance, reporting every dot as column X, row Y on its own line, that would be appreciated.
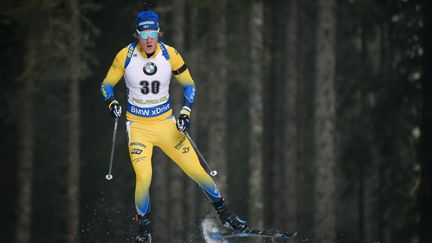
column 109, row 175
column 212, row 172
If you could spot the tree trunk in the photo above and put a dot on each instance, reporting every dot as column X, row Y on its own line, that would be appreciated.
column 256, row 115
column 425, row 156
column 370, row 177
column 26, row 144
column 288, row 146
column 383, row 146
column 218, row 96
column 324, row 217
column 190, row 213
column 74, row 126
column 176, row 176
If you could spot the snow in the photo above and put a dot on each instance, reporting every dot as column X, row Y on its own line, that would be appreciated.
column 209, row 226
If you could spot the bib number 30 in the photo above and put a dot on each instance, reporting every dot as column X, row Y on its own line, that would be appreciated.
column 147, row 87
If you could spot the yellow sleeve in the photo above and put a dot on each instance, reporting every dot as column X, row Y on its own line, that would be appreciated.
column 179, row 68
column 116, row 71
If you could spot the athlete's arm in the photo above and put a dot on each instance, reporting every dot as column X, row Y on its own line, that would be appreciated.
column 182, row 74
column 115, row 73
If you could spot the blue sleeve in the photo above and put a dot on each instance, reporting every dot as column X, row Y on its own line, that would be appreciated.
column 107, row 91
column 189, row 96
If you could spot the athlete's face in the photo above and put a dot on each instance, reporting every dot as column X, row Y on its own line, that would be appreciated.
column 148, row 40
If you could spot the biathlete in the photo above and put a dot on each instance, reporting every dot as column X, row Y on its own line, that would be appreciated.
column 147, row 66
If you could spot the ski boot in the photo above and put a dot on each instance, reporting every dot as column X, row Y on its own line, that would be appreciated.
column 144, row 233
column 229, row 219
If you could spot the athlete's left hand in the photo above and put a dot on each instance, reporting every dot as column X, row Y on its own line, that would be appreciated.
column 183, row 122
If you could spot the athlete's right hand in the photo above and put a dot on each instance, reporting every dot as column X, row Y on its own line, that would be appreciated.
column 115, row 109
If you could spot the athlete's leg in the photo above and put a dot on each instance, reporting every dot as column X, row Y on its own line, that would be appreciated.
column 178, row 148
column 140, row 151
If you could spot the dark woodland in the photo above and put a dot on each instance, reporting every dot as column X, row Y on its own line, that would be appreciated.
column 317, row 115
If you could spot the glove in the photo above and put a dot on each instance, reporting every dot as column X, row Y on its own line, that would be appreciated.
column 183, row 121
column 115, row 109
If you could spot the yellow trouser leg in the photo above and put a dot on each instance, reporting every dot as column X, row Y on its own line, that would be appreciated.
column 179, row 149
column 140, row 151
column 164, row 134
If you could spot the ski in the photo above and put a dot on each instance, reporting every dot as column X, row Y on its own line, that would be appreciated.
column 253, row 233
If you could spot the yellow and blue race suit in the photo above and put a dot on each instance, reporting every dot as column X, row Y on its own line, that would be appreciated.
column 149, row 115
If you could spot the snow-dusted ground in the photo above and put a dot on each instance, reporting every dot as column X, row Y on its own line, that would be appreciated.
column 209, row 226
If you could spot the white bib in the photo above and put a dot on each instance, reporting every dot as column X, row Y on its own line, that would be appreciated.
column 147, row 80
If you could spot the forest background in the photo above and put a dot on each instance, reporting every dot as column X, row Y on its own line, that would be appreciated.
column 317, row 115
